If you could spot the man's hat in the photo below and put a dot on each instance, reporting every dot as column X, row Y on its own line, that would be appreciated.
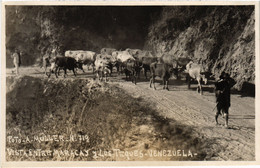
column 224, row 75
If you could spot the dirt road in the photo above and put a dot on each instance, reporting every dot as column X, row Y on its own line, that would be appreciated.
column 190, row 108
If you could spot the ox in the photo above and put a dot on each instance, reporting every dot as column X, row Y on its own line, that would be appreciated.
column 82, row 57
column 107, row 51
column 102, row 68
column 194, row 71
column 63, row 63
column 134, row 52
column 72, row 54
column 146, row 62
column 132, row 69
column 161, row 70
column 121, row 57
column 109, row 58
column 179, row 63
column 86, row 58
column 222, row 93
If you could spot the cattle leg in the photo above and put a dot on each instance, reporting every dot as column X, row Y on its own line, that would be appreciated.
column 188, row 80
column 74, row 72
column 97, row 75
column 65, row 72
column 167, row 81
column 49, row 75
column 134, row 78
column 199, row 87
column 145, row 73
column 152, row 81
column 163, row 83
column 216, row 117
column 56, row 71
column 93, row 66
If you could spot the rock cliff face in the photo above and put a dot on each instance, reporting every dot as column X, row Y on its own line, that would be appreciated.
column 220, row 38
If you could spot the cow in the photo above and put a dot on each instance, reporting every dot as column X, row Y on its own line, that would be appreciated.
column 72, row 54
column 82, row 57
column 102, row 68
column 132, row 69
column 86, row 58
column 133, row 52
column 222, row 94
column 195, row 71
column 109, row 58
column 121, row 57
column 63, row 63
column 107, row 51
column 47, row 60
column 182, row 62
column 161, row 70
column 146, row 62
column 179, row 62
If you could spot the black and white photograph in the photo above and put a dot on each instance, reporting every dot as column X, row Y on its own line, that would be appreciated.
column 158, row 82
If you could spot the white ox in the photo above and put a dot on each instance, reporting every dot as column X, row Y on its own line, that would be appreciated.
column 72, row 54
column 139, row 54
column 195, row 71
column 107, row 51
column 122, row 56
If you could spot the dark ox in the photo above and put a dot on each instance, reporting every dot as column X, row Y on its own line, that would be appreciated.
column 121, row 58
column 222, row 94
column 63, row 63
column 146, row 62
column 132, row 69
column 195, row 71
column 160, row 70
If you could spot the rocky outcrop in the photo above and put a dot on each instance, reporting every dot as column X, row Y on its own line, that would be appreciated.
column 220, row 38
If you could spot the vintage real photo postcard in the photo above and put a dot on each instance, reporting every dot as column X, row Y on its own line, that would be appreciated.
column 115, row 83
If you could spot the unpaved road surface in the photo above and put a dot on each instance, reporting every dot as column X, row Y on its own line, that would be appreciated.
column 190, row 108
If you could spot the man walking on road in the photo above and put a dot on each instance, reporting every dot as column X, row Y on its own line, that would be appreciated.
column 222, row 93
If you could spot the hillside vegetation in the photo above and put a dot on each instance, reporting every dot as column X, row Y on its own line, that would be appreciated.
column 222, row 38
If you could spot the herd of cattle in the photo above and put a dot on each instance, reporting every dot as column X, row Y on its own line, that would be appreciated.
column 132, row 61
column 129, row 61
